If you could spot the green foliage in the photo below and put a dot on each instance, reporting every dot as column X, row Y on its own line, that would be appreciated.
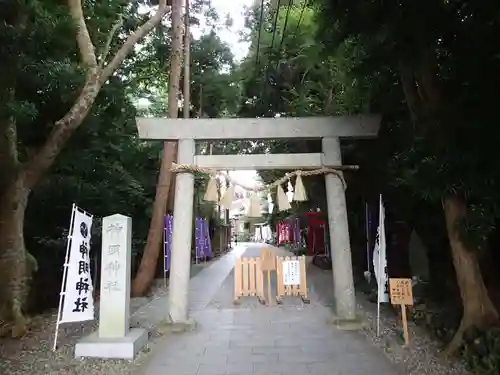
column 482, row 351
column 294, row 75
column 105, row 168
column 212, row 83
column 445, row 150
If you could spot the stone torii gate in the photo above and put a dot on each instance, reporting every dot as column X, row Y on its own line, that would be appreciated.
column 329, row 129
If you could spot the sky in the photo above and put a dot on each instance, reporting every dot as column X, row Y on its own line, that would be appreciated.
column 235, row 8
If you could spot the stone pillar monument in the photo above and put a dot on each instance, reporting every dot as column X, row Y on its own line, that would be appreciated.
column 340, row 247
column 114, row 338
column 180, row 266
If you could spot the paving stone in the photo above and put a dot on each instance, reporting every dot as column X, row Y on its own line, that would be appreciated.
column 235, row 352
column 241, row 342
column 250, row 359
column 304, row 357
column 179, row 368
column 282, row 367
column 274, row 350
column 261, row 340
column 237, row 368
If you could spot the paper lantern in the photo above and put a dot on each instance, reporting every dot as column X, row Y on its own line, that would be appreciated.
column 299, row 194
column 283, row 203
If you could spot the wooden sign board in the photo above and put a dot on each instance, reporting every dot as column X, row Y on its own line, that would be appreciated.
column 402, row 295
column 401, row 291
column 268, row 259
column 291, row 278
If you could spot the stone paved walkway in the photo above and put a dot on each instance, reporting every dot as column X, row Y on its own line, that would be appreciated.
column 292, row 339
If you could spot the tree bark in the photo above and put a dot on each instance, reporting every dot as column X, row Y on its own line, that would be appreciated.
column 425, row 102
column 149, row 260
column 147, row 268
column 478, row 309
column 16, row 264
column 171, row 194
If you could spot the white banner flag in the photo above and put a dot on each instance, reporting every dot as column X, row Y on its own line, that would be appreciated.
column 78, row 305
column 380, row 259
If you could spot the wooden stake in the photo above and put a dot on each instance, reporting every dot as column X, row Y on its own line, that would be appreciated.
column 269, row 286
column 405, row 325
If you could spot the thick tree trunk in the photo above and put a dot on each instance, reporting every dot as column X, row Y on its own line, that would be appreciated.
column 16, row 264
column 147, row 268
column 171, row 195
column 17, row 181
column 478, row 309
column 149, row 259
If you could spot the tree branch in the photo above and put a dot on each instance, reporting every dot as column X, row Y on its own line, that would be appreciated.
column 413, row 99
column 133, row 39
column 428, row 79
column 9, row 154
column 85, row 45
column 37, row 166
column 109, row 40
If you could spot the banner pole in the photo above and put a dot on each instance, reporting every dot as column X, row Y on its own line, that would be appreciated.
column 378, row 295
column 65, row 274
column 379, row 281
column 165, row 229
column 367, row 217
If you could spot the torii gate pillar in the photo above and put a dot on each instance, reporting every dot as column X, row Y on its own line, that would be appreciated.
column 181, row 237
column 340, row 247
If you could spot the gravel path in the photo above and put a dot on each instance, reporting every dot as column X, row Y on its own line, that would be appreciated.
column 33, row 353
column 422, row 357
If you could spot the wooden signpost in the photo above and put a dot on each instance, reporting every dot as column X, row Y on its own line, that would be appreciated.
column 268, row 264
column 291, row 278
column 402, row 294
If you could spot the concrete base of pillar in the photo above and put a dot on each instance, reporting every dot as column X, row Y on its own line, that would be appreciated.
column 119, row 348
column 347, row 324
column 177, row 327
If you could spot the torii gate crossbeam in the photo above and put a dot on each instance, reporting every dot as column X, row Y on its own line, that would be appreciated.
column 328, row 129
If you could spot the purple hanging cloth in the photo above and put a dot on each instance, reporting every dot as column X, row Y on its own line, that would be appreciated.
column 167, row 241
column 297, row 230
column 206, row 237
column 200, row 246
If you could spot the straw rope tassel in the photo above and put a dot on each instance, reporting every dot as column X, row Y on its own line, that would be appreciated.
column 211, row 194
column 300, row 194
column 227, row 199
column 283, row 203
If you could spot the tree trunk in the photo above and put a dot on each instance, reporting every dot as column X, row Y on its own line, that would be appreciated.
column 149, row 260
column 17, row 181
column 171, row 195
column 16, row 264
column 147, row 268
column 478, row 309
